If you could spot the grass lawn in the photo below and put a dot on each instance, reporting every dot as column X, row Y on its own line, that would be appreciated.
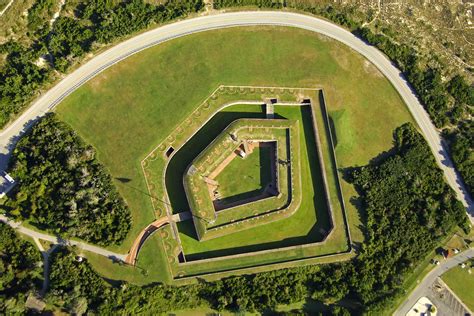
column 128, row 109
column 246, row 177
column 301, row 228
column 197, row 144
column 152, row 265
column 462, row 283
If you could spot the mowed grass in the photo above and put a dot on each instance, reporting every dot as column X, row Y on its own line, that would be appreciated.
column 245, row 177
column 128, row 109
column 193, row 147
column 462, row 283
column 301, row 228
column 152, row 265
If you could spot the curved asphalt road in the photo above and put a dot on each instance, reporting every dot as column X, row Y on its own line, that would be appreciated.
column 113, row 55
column 430, row 278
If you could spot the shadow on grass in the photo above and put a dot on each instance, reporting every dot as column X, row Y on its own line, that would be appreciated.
column 358, row 201
column 322, row 212
column 317, row 232
column 332, row 126
column 308, row 307
column 224, row 203
column 185, row 155
column 265, row 168
column 187, row 228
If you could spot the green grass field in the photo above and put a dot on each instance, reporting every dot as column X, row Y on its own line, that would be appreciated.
column 196, row 192
column 246, row 178
column 462, row 283
column 300, row 228
column 152, row 265
column 180, row 74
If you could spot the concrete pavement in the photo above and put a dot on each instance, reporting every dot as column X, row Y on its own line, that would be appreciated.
column 10, row 135
column 81, row 245
column 430, row 278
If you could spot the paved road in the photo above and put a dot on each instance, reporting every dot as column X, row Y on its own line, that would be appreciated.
column 54, row 239
column 104, row 60
column 431, row 277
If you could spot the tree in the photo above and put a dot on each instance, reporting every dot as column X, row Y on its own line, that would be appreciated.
column 63, row 188
column 20, row 271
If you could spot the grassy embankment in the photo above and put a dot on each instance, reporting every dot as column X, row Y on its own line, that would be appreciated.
column 125, row 118
column 301, row 228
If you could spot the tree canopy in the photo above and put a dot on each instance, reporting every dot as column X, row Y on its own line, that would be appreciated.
column 409, row 209
column 20, row 271
column 63, row 188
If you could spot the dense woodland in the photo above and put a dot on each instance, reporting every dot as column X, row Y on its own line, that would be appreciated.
column 408, row 210
column 20, row 271
column 79, row 30
column 81, row 289
column 449, row 104
column 63, row 188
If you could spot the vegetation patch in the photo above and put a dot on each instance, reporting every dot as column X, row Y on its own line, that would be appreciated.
column 20, row 274
column 40, row 13
column 407, row 203
column 246, row 178
column 79, row 29
column 63, row 188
